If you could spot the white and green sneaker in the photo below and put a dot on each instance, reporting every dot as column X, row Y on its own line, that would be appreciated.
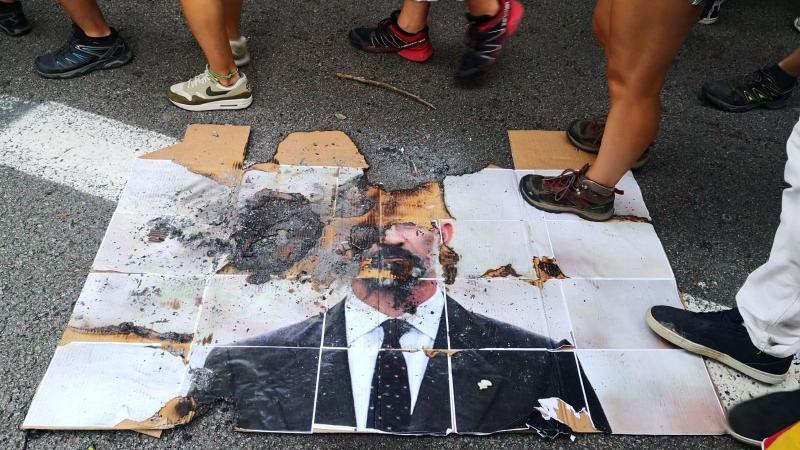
column 241, row 55
column 205, row 93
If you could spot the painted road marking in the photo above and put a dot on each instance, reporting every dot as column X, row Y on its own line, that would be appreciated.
column 84, row 151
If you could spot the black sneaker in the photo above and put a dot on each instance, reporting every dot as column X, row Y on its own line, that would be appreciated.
column 83, row 54
column 570, row 192
column 587, row 135
column 12, row 20
column 486, row 38
column 754, row 90
column 757, row 419
column 720, row 336
column 710, row 12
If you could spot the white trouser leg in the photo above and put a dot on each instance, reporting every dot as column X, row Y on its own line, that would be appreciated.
column 769, row 301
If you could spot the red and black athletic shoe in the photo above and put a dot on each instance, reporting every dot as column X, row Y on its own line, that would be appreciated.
column 387, row 37
column 486, row 37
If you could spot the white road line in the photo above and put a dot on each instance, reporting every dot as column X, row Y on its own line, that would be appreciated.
column 84, row 151
column 732, row 386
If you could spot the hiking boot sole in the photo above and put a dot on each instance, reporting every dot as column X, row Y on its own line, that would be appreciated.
column 97, row 65
column 723, row 358
column 239, row 103
column 720, row 104
column 593, row 217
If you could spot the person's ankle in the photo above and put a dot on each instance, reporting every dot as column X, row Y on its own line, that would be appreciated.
column 408, row 27
column 231, row 81
column 601, row 183
column 98, row 32
column 488, row 8
column 225, row 77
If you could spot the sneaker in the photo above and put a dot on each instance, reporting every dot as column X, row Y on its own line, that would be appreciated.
column 12, row 19
column 717, row 335
column 387, row 37
column 205, row 93
column 710, row 12
column 486, row 38
column 754, row 90
column 755, row 420
column 241, row 55
column 83, row 54
column 587, row 135
column 570, row 192
column 796, row 23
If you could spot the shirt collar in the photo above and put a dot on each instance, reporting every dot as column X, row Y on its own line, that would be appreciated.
column 361, row 318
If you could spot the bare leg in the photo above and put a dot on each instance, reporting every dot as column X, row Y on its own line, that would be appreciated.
column 644, row 37
column 601, row 21
column 87, row 15
column 232, row 9
column 207, row 23
column 413, row 16
column 791, row 64
column 483, row 7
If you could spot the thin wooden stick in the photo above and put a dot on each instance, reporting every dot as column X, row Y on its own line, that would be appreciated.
column 386, row 86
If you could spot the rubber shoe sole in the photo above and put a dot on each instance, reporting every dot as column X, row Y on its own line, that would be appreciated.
column 720, row 104
column 590, row 216
column 723, row 358
column 126, row 58
column 218, row 105
column 741, row 438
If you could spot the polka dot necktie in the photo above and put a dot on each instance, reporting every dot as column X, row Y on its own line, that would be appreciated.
column 390, row 397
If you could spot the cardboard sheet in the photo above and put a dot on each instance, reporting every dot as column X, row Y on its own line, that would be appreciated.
column 313, row 301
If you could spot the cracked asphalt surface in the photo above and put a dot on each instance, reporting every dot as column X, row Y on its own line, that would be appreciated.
column 713, row 188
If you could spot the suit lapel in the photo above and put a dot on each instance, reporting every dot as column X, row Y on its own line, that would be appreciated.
column 335, row 395
column 335, row 327
column 432, row 409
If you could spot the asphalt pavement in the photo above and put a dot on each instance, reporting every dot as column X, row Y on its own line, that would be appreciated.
column 713, row 187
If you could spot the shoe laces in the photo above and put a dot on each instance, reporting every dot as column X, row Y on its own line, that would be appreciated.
column 564, row 182
column 199, row 80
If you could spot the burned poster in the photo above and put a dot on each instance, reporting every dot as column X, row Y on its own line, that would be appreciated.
column 314, row 301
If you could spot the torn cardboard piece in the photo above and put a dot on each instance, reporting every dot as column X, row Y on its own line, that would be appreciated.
column 319, row 148
column 215, row 151
column 540, row 149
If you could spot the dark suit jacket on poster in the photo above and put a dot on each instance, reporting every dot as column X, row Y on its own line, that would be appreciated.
column 273, row 387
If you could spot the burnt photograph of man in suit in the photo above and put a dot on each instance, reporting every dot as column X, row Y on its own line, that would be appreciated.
column 394, row 353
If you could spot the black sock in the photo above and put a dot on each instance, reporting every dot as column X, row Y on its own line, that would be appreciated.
column 98, row 40
column 406, row 33
column 479, row 19
column 782, row 79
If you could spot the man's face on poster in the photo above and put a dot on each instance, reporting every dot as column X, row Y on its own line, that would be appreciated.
column 397, row 259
